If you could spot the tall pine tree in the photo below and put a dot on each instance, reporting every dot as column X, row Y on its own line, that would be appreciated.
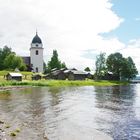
column 54, row 62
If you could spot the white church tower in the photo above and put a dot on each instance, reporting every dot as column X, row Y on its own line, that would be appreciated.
column 36, row 54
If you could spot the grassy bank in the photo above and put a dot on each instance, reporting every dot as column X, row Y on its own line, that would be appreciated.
column 26, row 75
column 61, row 83
column 28, row 82
column 4, row 72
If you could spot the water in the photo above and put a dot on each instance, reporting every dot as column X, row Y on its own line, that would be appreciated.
column 72, row 113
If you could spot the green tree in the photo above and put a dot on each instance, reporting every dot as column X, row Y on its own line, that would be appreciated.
column 19, row 63
column 63, row 65
column 129, row 70
column 12, row 62
column 87, row 69
column 100, row 66
column 122, row 68
column 44, row 67
column 4, row 52
column 115, row 64
column 55, row 62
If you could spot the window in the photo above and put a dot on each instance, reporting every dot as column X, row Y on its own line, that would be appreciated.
column 36, row 45
column 36, row 69
column 36, row 52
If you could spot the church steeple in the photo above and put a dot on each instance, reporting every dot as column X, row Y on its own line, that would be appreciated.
column 36, row 54
column 36, row 31
column 36, row 39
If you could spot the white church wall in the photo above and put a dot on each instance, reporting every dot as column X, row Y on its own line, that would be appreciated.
column 36, row 59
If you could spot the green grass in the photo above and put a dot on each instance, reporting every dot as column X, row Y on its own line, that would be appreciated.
column 4, row 72
column 28, row 82
column 61, row 83
column 25, row 74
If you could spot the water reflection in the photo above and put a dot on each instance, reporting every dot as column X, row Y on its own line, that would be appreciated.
column 117, row 106
column 73, row 112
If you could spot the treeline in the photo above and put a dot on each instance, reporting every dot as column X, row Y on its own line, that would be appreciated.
column 9, row 60
column 55, row 63
column 115, row 67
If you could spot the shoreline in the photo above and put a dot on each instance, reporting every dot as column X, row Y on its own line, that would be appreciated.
column 6, row 88
column 8, row 85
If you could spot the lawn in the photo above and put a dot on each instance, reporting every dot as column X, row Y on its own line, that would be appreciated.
column 27, row 81
column 60, row 83
column 26, row 75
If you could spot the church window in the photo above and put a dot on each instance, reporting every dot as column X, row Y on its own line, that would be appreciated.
column 36, row 52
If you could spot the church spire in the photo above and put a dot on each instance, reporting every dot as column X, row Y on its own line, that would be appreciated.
column 36, row 31
column 36, row 39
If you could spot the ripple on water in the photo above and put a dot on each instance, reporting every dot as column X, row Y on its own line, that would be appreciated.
column 73, row 113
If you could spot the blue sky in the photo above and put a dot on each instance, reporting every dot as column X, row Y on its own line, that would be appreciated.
column 129, row 10
column 78, row 29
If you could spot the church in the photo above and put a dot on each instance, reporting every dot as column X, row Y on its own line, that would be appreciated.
column 35, row 62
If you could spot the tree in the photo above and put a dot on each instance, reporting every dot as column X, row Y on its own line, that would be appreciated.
column 133, row 70
column 129, row 70
column 55, row 62
column 12, row 62
column 19, row 63
column 114, row 64
column 100, row 66
column 122, row 68
column 4, row 52
column 87, row 69
column 63, row 65
column 44, row 67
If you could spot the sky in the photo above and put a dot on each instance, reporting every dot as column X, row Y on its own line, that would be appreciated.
column 78, row 29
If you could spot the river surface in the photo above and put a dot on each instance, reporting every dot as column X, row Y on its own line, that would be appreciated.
column 72, row 112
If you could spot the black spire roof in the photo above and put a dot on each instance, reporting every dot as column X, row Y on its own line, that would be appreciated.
column 36, row 39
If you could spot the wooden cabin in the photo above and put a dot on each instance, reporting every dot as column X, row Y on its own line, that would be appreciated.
column 70, row 74
column 14, row 76
column 58, row 74
column 75, row 75
column 36, row 77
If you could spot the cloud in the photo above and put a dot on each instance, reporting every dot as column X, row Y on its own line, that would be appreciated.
column 131, row 50
column 71, row 27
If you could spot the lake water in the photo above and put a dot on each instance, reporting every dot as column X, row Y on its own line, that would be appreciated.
column 72, row 113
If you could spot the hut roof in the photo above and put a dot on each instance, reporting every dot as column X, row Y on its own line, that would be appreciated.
column 63, row 69
column 75, row 72
column 54, row 69
column 79, row 72
column 15, row 74
column 56, row 72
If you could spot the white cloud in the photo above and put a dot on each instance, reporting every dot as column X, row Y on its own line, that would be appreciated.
column 132, row 49
column 69, row 26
